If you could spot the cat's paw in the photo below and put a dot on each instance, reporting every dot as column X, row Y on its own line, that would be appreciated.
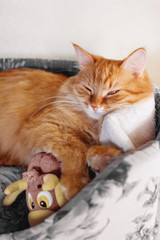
column 100, row 156
column 71, row 185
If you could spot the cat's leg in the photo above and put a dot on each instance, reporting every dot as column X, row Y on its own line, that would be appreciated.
column 68, row 149
column 75, row 174
column 74, row 179
column 100, row 156
column 8, row 161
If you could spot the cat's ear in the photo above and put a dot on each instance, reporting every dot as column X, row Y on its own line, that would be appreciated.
column 135, row 63
column 84, row 58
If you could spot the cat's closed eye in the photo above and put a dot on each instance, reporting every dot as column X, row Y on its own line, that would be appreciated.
column 89, row 89
column 112, row 92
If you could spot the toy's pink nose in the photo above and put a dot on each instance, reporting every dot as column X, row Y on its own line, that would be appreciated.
column 94, row 107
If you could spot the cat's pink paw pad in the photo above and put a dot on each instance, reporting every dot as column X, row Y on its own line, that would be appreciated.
column 98, row 163
column 106, row 158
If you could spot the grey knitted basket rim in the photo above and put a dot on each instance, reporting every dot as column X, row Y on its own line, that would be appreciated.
column 67, row 67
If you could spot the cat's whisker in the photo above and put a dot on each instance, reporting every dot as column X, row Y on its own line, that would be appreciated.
column 51, row 103
column 50, row 109
column 46, row 99
column 42, row 100
column 120, row 106
column 53, row 108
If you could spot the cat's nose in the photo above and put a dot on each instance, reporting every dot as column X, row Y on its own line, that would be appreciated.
column 94, row 107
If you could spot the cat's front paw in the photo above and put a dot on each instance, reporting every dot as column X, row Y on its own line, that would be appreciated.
column 71, row 185
column 100, row 156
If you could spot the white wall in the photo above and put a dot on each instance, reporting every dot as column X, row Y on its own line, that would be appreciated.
column 46, row 28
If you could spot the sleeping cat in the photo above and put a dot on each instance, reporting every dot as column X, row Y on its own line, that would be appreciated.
column 46, row 112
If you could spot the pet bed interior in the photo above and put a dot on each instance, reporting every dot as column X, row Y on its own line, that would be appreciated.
column 120, row 203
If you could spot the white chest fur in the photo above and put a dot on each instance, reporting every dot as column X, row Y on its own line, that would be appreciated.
column 130, row 127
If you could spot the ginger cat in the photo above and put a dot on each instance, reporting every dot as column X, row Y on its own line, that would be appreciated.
column 46, row 112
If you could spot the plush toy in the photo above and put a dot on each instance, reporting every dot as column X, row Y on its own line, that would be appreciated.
column 43, row 190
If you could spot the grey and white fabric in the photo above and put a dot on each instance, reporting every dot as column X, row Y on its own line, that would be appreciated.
column 121, row 203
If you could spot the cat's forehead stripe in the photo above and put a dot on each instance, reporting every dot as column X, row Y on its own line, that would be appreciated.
column 104, row 72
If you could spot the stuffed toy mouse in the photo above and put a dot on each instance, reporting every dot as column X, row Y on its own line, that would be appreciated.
column 43, row 190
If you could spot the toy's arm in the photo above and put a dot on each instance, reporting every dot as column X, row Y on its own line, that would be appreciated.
column 13, row 190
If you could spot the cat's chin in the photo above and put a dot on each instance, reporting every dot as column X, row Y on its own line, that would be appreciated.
column 95, row 114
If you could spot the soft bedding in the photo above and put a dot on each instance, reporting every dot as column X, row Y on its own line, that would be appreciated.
column 121, row 203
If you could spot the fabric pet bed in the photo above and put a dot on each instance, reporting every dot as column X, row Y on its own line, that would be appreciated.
column 121, row 203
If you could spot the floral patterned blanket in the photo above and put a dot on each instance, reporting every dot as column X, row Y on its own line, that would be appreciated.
column 121, row 203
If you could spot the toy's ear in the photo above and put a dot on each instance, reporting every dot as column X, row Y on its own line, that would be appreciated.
column 13, row 190
column 50, row 181
column 84, row 58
